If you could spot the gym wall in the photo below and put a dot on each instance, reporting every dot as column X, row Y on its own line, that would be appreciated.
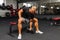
column 32, row 3
column 54, row 0
column 13, row 2
column 7, row 2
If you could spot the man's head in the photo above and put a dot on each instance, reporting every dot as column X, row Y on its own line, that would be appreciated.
column 33, row 9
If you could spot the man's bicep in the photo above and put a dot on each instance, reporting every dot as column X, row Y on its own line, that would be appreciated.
column 20, row 12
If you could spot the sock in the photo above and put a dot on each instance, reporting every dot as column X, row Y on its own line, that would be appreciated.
column 19, row 34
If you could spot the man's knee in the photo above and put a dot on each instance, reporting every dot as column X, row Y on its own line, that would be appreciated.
column 35, row 19
column 31, row 20
column 19, row 21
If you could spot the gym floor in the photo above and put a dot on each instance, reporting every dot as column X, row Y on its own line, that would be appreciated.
column 50, row 32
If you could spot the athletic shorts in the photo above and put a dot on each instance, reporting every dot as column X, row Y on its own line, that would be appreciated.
column 24, row 19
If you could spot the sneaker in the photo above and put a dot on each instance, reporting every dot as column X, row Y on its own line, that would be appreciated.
column 30, row 31
column 19, row 36
column 40, row 32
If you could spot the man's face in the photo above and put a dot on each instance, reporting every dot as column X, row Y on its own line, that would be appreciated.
column 33, row 9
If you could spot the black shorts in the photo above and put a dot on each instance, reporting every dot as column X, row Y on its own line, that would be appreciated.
column 29, row 16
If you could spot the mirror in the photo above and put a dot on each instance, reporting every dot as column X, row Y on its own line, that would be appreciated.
column 50, row 8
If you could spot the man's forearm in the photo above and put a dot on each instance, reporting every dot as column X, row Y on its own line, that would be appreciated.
column 20, row 13
column 19, row 16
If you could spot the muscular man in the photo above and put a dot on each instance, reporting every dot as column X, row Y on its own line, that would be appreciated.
column 22, row 13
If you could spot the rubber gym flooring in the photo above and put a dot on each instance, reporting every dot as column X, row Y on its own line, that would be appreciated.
column 50, row 32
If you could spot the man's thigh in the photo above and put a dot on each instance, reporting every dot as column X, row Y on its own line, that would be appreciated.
column 20, row 20
column 35, row 19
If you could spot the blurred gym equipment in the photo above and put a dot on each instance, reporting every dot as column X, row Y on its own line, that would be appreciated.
column 56, row 21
